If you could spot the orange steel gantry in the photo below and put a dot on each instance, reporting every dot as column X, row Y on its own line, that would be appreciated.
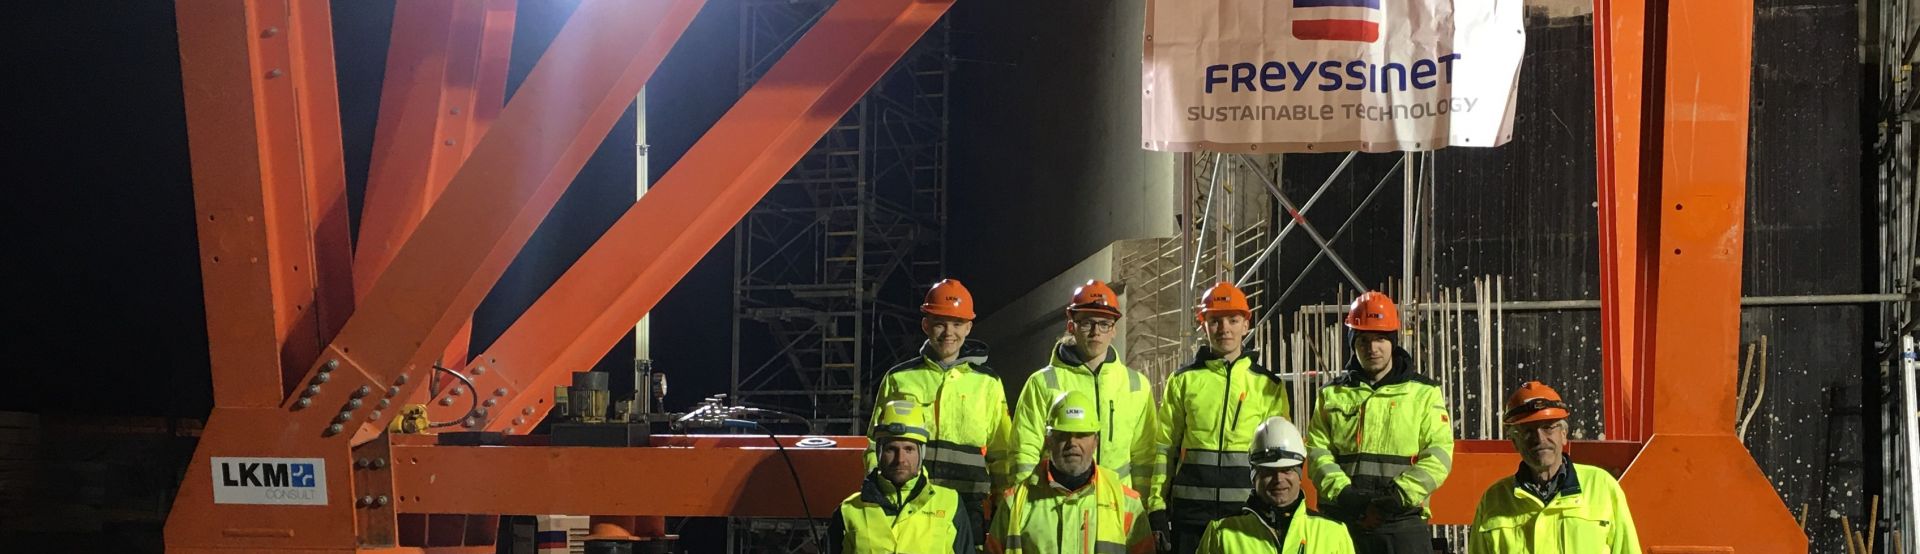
column 315, row 345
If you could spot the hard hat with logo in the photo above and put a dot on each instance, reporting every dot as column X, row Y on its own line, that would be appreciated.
column 1373, row 311
column 1534, row 401
column 949, row 298
column 1224, row 299
column 1277, row 443
column 901, row 419
column 1095, row 297
column 1073, row 413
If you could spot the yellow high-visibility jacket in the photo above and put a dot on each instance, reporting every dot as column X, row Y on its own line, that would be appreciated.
column 1127, row 419
column 917, row 517
column 1248, row 533
column 970, row 443
column 1039, row 515
column 1393, row 437
column 1207, row 418
column 1588, row 515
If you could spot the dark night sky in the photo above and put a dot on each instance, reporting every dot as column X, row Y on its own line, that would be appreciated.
column 109, row 317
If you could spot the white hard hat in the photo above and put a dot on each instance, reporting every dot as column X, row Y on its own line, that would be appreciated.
column 1277, row 444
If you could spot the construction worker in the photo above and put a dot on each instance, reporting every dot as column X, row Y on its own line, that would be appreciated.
column 1380, row 441
column 969, row 448
column 1083, row 361
column 1207, row 419
column 1550, row 505
column 1069, row 504
column 1275, row 519
column 897, row 508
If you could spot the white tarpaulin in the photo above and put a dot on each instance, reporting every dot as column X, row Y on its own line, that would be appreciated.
column 1330, row 75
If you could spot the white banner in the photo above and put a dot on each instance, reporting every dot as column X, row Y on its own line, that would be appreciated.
column 1330, row 75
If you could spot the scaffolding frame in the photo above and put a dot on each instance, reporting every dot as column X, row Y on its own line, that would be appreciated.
column 829, row 266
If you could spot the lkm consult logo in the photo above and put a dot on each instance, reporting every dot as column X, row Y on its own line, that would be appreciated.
column 269, row 481
column 1345, row 20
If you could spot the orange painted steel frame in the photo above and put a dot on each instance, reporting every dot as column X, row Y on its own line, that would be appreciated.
column 303, row 367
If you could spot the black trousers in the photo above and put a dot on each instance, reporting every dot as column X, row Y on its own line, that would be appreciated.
column 1397, row 540
column 976, row 517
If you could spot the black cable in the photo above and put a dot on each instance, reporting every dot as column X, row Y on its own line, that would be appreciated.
column 788, row 416
column 471, row 408
column 812, row 529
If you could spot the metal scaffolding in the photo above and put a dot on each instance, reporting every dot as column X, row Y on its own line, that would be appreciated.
column 1893, row 34
column 830, row 266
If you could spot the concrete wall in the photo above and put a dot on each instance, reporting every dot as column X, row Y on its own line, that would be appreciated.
column 1046, row 164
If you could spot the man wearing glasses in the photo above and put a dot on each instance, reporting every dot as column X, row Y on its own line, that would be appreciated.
column 1085, row 361
column 1550, row 505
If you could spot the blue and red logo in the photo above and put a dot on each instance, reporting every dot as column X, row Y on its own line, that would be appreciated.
column 1349, row 20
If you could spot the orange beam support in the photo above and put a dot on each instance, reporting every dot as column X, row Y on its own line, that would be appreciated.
column 681, row 217
column 269, row 190
column 1619, row 50
column 582, row 83
column 738, row 475
column 1694, row 195
column 445, row 84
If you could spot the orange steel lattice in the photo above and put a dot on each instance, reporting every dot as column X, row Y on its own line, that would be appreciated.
column 310, row 348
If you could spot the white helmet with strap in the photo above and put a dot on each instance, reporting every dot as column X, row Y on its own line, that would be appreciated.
column 1277, row 443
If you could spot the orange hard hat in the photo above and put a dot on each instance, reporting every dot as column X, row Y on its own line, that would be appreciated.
column 1373, row 311
column 1222, row 299
column 949, row 298
column 1534, row 401
column 1095, row 297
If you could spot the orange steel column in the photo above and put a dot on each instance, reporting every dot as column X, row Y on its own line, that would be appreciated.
column 445, row 83
column 1619, row 48
column 269, row 190
column 1693, row 464
column 695, row 203
column 578, row 89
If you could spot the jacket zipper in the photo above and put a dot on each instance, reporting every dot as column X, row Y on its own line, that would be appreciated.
column 1220, row 437
column 1242, row 401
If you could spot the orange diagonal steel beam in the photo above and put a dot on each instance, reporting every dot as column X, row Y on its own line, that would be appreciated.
column 580, row 86
column 651, row 247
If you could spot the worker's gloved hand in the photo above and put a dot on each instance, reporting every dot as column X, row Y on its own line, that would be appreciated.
column 1390, row 503
column 1352, row 504
column 1162, row 531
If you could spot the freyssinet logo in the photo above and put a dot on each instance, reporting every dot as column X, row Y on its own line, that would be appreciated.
column 1348, row 20
column 301, row 481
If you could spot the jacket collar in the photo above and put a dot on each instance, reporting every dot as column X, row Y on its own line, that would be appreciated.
column 1205, row 354
column 1565, row 483
column 1043, row 477
column 876, row 489
column 1066, row 355
column 1402, row 371
column 972, row 352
